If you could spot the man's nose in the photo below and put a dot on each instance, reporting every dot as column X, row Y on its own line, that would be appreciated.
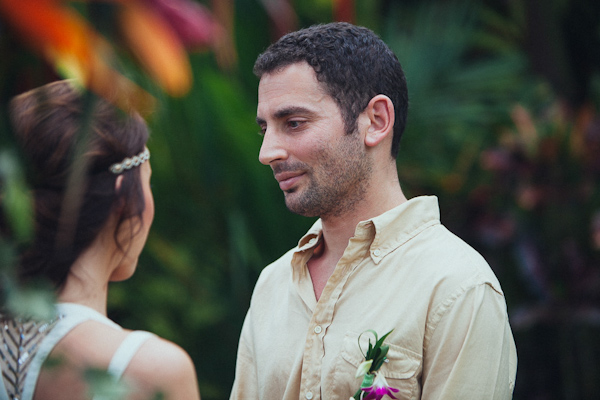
column 272, row 148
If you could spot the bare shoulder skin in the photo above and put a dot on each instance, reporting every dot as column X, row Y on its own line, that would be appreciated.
column 159, row 366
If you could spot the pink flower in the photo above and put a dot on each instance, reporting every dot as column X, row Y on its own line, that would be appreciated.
column 379, row 389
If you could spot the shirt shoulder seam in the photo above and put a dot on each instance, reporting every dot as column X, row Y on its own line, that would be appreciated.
column 444, row 307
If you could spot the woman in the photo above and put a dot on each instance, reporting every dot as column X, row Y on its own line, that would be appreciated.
column 84, row 239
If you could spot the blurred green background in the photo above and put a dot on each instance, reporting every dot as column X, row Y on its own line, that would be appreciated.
column 504, row 127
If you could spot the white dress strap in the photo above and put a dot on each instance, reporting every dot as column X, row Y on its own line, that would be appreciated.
column 64, row 326
column 72, row 315
column 122, row 357
column 126, row 351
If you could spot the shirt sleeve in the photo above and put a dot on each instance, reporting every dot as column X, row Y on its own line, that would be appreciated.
column 471, row 353
column 245, row 385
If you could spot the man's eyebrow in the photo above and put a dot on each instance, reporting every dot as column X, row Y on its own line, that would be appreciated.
column 286, row 112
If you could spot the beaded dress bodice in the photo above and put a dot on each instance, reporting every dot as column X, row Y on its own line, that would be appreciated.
column 26, row 344
column 20, row 341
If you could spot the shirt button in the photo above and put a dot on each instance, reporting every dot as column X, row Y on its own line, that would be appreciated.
column 318, row 330
column 309, row 395
column 376, row 252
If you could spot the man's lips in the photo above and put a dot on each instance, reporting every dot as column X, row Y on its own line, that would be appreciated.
column 288, row 179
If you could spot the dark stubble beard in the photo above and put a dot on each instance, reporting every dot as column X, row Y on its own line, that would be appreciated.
column 338, row 181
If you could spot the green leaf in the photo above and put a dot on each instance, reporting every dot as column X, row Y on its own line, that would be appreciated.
column 384, row 351
column 16, row 199
column 377, row 365
column 35, row 303
column 104, row 386
column 367, row 355
column 367, row 381
column 380, row 341
column 376, row 354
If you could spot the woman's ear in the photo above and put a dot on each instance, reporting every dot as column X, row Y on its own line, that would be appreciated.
column 119, row 204
column 118, row 183
column 380, row 112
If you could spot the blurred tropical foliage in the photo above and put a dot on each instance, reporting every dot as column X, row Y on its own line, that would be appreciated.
column 504, row 127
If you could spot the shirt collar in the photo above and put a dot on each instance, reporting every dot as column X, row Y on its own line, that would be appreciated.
column 311, row 238
column 400, row 224
column 391, row 229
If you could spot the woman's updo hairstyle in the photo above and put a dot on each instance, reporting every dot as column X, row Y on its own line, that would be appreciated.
column 48, row 122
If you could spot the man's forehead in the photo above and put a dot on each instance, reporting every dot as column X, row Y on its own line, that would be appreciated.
column 286, row 108
column 291, row 88
column 292, row 75
column 292, row 66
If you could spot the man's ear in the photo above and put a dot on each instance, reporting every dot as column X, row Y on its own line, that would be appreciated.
column 380, row 112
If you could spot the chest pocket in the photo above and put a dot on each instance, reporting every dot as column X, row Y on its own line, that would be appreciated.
column 401, row 370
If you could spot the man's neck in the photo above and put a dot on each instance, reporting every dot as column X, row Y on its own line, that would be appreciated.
column 337, row 231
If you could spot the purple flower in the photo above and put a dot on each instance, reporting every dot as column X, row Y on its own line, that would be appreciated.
column 378, row 390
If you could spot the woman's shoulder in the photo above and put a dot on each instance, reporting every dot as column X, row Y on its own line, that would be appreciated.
column 157, row 365
column 166, row 367
column 160, row 355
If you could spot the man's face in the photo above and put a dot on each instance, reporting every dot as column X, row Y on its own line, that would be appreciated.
column 322, row 170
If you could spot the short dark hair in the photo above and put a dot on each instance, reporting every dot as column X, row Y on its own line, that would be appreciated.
column 352, row 63
column 47, row 122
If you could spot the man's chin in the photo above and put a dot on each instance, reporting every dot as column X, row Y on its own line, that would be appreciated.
column 297, row 209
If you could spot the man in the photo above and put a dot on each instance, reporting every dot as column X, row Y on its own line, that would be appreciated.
column 332, row 105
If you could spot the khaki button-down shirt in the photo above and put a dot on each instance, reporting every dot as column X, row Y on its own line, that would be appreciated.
column 402, row 270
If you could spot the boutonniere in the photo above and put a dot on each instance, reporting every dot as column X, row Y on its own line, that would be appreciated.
column 374, row 385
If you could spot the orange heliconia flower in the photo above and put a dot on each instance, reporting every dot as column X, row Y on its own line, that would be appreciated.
column 72, row 46
column 47, row 26
column 57, row 32
column 156, row 47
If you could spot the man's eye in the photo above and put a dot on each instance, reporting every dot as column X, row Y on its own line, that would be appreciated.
column 294, row 124
column 262, row 131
